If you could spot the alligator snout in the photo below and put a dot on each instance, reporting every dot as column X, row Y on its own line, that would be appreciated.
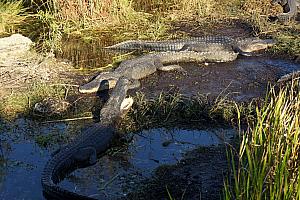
column 257, row 45
column 96, row 85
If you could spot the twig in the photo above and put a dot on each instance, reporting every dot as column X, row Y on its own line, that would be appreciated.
column 109, row 182
column 67, row 120
column 64, row 84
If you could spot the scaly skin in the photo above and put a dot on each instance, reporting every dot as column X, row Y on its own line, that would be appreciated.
column 289, row 8
column 290, row 76
column 84, row 150
column 199, row 44
column 143, row 66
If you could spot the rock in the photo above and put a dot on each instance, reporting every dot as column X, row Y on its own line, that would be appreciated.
column 15, row 44
column 51, row 106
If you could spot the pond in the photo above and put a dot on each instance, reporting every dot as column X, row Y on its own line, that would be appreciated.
column 113, row 176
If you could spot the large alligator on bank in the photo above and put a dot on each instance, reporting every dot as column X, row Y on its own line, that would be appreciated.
column 140, row 67
column 83, row 151
column 199, row 44
column 290, row 9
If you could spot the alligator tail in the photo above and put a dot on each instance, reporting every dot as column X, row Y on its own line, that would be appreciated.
column 53, row 191
column 74, row 156
column 57, row 193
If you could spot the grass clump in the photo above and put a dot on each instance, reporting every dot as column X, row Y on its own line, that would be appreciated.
column 49, row 139
column 173, row 108
column 11, row 16
column 22, row 103
column 266, row 166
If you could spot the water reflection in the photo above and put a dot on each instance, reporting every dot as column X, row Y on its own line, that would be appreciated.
column 85, row 53
column 114, row 174
column 23, row 161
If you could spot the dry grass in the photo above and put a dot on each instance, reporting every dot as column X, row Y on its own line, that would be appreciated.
column 11, row 16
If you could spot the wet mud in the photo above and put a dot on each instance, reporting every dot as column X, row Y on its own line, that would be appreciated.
column 240, row 80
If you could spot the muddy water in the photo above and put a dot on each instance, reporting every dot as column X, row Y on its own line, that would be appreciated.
column 86, row 53
column 117, row 175
column 22, row 160
column 113, row 175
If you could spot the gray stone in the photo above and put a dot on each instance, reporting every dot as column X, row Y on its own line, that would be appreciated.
column 15, row 43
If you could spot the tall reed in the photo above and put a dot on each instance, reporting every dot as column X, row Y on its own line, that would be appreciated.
column 266, row 166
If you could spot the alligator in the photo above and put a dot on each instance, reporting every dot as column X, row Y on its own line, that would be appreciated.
column 289, row 9
column 198, row 44
column 289, row 76
column 140, row 67
column 85, row 149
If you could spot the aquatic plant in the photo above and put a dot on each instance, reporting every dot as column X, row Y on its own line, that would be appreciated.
column 266, row 165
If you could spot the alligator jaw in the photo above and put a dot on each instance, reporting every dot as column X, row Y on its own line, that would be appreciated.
column 97, row 85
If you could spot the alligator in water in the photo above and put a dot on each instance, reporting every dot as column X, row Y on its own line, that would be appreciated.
column 289, row 76
column 198, row 44
column 83, row 151
column 289, row 8
column 143, row 66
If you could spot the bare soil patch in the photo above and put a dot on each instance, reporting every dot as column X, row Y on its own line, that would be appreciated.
column 19, row 71
column 198, row 176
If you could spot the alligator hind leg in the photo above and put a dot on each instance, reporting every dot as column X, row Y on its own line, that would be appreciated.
column 86, row 156
column 168, row 68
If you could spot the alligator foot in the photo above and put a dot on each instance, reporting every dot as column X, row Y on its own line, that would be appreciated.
column 87, row 155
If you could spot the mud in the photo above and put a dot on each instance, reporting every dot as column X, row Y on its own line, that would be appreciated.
column 200, row 175
column 240, row 80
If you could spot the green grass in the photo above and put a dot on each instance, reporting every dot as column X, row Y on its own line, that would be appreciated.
column 266, row 165
column 175, row 109
column 22, row 103
column 11, row 16
column 141, row 19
